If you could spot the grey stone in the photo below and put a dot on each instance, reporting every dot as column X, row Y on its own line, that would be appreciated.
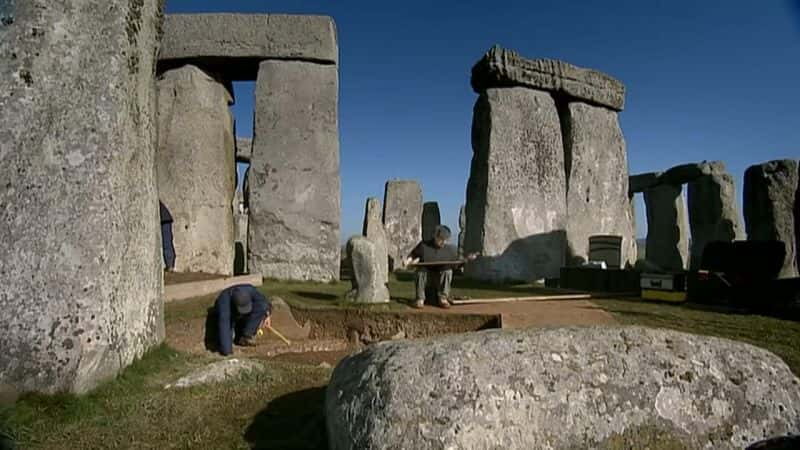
column 294, row 185
column 597, row 181
column 561, row 388
column 667, row 227
column 217, row 372
column 240, row 221
column 770, row 202
column 402, row 215
column 713, row 215
column 244, row 149
column 235, row 44
column 374, row 231
column 431, row 218
column 369, row 280
column 685, row 173
column 196, row 168
column 79, row 230
column 516, row 205
column 506, row 68
column 643, row 181
column 462, row 225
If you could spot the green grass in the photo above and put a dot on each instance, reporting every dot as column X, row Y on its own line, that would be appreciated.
column 282, row 408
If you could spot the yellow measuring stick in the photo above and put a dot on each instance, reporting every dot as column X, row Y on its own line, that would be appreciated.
column 275, row 332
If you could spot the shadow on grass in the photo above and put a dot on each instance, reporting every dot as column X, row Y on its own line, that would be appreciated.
column 292, row 421
column 317, row 296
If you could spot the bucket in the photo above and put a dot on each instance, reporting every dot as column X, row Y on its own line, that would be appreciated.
column 606, row 248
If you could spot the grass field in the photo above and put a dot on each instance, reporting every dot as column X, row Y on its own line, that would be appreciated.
column 282, row 407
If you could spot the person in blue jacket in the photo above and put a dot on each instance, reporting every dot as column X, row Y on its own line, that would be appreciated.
column 241, row 310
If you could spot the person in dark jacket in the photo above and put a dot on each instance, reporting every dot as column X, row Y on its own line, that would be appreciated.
column 435, row 250
column 240, row 311
column 167, row 247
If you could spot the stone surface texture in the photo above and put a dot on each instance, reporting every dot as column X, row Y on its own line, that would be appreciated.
column 516, row 207
column 431, row 218
column 374, row 231
column 685, row 173
column 402, row 219
column 638, row 183
column 217, row 372
column 79, row 229
column 713, row 214
column 770, row 202
column 505, row 68
column 369, row 279
column 597, row 181
column 561, row 388
column 204, row 37
column 462, row 225
column 667, row 228
column 244, row 149
column 293, row 181
column 196, row 168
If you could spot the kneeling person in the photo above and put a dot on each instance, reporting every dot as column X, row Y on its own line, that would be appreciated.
column 242, row 310
column 432, row 251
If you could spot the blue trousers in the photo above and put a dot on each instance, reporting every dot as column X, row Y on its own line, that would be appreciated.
column 166, row 245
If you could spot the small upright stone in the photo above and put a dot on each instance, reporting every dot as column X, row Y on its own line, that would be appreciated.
column 667, row 228
column 713, row 215
column 430, row 219
column 374, row 231
column 462, row 225
column 402, row 214
column 770, row 207
column 369, row 281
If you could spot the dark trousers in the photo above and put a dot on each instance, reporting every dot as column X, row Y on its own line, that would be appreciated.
column 167, row 246
column 442, row 278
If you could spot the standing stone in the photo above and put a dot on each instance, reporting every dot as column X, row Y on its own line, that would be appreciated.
column 244, row 149
column 369, row 280
column 462, row 225
column 79, row 230
column 770, row 199
column 713, row 215
column 430, row 219
column 294, row 187
column 516, row 208
column 240, row 227
column 402, row 212
column 197, row 168
column 667, row 229
column 374, row 231
column 597, row 183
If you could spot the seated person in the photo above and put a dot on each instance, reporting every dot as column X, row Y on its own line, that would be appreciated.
column 435, row 250
column 242, row 310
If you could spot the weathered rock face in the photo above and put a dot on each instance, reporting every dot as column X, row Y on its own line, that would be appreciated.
column 79, row 228
column 431, row 218
column 237, row 42
column 462, row 225
column 516, row 208
column 505, row 68
column 374, row 231
column 638, row 183
column 402, row 214
column 369, row 280
column 770, row 199
column 667, row 228
column 597, row 181
column 244, row 149
column 196, row 168
column 217, row 372
column 293, row 181
column 240, row 234
column 686, row 173
column 713, row 215
column 562, row 388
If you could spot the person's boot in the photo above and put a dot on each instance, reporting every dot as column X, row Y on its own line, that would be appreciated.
column 443, row 302
column 418, row 303
column 245, row 341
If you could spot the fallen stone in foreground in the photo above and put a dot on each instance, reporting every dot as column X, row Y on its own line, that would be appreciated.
column 592, row 387
column 217, row 372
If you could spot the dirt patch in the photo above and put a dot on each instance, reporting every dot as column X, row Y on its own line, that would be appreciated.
column 188, row 277
column 316, row 358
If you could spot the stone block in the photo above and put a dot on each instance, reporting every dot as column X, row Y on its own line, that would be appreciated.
column 667, row 227
column 369, row 280
column 402, row 216
column 374, row 231
column 431, row 218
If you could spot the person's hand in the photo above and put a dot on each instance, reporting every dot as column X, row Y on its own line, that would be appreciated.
column 472, row 256
column 266, row 323
column 410, row 260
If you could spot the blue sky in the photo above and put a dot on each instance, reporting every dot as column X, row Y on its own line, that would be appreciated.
column 710, row 80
